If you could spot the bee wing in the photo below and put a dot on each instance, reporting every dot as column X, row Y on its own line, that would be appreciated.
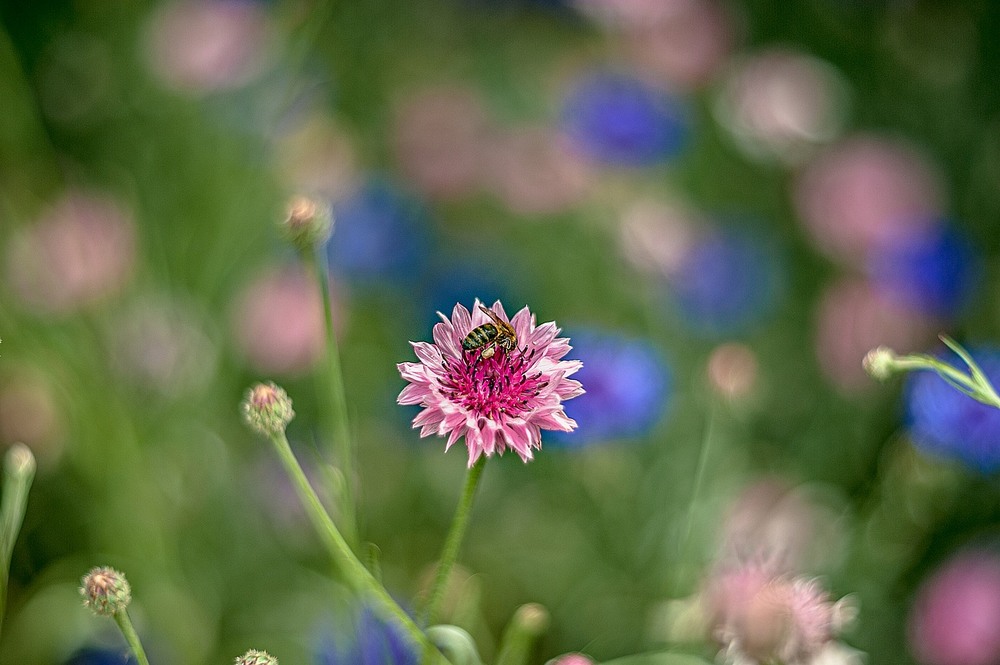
column 500, row 323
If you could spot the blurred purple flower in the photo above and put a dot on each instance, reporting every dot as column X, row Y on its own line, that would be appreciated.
column 947, row 423
column 934, row 272
column 372, row 642
column 728, row 282
column 956, row 617
column 628, row 389
column 380, row 234
column 618, row 120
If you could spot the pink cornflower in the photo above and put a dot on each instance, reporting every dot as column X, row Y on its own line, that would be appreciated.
column 760, row 615
column 495, row 401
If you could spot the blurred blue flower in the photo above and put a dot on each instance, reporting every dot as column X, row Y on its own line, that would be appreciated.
column 463, row 283
column 728, row 282
column 934, row 272
column 620, row 121
column 95, row 656
column 628, row 388
column 371, row 641
column 380, row 234
column 947, row 423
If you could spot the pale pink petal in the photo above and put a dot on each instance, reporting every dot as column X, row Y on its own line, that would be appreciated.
column 461, row 320
column 543, row 335
column 448, row 340
column 522, row 322
column 428, row 354
column 498, row 310
column 412, row 394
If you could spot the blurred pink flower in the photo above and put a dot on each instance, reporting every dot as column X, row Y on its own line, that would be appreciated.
column 782, row 104
column 955, row 619
column 797, row 526
column 495, row 402
column 440, row 140
column 81, row 251
column 761, row 616
column 278, row 322
column 203, row 45
column 685, row 46
column 534, row 172
column 30, row 413
column 854, row 318
column 865, row 193
column 161, row 345
column 623, row 14
column 572, row 659
column 656, row 236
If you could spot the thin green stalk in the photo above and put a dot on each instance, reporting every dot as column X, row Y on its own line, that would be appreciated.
column 123, row 621
column 335, row 417
column 19, row 471
column 353, row 570
column 528, row 622
column 699, row 476
column 453, row 542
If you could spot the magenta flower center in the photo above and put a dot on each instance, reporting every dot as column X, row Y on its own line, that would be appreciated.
column 493, row 387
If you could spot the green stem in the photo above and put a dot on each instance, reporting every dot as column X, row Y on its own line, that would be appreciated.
column 699, row 477
column 353, row 570
column 528, row 622
column 453, row 542
column 121, row 618
column 19, row 471
column 336, row 416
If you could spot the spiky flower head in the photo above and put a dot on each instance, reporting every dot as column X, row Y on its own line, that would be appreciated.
column 254, row 657
column 760, row 616
column 105, row 591
column 307, row 224
column 495, row 398
column 267, row 408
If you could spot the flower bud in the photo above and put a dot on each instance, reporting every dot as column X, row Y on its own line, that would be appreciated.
column 19, row 460
column 571, row 659
column 105, row 591
column 307, row 224
column 880, row 363
column 254, row 657
column 534, row 618
column 267, row 408
column 732, row 370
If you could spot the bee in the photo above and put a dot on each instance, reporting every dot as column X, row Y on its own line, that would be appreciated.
column 491, row 335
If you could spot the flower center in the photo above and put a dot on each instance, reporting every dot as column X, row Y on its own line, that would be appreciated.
column 493, row 387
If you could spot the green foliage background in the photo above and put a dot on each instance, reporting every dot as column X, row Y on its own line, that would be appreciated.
column 169, row 489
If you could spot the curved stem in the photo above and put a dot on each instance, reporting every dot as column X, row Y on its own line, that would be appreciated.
column 452, row 543
column 353, row 570
column 123, row 621
column 336, row 422
column 699, row 478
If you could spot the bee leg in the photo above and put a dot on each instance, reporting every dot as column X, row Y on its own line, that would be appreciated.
column 489, row 351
